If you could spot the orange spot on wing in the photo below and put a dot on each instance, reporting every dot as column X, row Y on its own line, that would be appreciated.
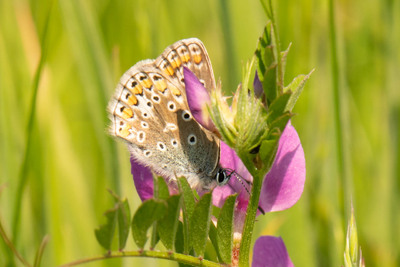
column 197, row 58
column 146, row 83
column 124, row 131
column 160, row 85
column 127, row 113
column 132, row 100
column 175, row 90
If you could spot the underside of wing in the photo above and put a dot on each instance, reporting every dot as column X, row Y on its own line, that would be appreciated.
column 150, row 112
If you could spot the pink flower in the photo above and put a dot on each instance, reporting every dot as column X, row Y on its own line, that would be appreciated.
column 281, row 189
column 284, row 183
column 270, row 251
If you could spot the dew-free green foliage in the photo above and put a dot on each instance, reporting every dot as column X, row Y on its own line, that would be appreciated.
column 169, row 224
column 200, row 224
column 163, row 217
column 119, row 215
column 225, row 229
column 161, row 189
column 188, row 209
column 89, row 44
column 149, row 212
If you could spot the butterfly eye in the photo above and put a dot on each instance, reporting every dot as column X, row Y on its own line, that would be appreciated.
column 222, row 178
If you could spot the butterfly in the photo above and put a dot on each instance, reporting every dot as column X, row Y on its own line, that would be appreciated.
column 150, row 113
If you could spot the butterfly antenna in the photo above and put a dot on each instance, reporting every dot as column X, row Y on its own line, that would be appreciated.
column 243, row 181
column 240, row 179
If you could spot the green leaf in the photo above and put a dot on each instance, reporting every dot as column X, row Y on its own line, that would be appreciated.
column 161, row 190
column 214, row 240
column 200, row 224
column 278, row 107
column 168, row 225
column 187, row 210
column 155, row 237
column 179, row 239
column 120, row 216
column 105, row 233
column 225, row 229
column 179, row 242
column 296, row 86
column 124, row 221
column 150, row 211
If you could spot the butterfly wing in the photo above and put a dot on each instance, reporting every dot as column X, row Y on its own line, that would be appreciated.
column 150, row 112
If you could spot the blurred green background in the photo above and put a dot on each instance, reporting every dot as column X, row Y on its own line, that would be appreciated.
column 61, row 182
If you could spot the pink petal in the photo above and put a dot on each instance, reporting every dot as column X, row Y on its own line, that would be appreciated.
column 144, row 184
column 270, row 251
column 284, row 183
column 143, row 179
column 282, row 186
column 198, row 98
column 229, row 160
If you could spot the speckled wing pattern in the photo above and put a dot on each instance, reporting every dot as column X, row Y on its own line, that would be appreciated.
column 149, row 111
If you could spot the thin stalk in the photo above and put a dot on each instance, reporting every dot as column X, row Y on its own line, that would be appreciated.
column 11, row 246
column 228, row 43
column 177, row 257
column 29, row 132
column 39, row 254
column 245, row 245
column 338, row 110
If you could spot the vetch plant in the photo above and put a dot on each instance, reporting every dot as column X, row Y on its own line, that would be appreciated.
column 261, row 154
column 261, row 164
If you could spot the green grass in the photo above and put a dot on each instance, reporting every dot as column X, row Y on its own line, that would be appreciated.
column 71, row 161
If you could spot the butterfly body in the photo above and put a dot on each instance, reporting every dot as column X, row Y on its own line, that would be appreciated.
column 149, row 111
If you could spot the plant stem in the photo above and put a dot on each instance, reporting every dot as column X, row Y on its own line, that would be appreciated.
column 277, row 50
column 22, row 181
column 252, row 208
column 8, row 242
column 186, row 259
column 344, row 186
column 228, row 43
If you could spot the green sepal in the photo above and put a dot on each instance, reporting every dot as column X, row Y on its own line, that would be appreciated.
column 296, row 87
column 225, row 229
column 268, row 150
column 168, row 225
column 200, row 224
column 267, row 63
column 279, row 124
column 150, row 211
column 227, row 130
column 284, row 55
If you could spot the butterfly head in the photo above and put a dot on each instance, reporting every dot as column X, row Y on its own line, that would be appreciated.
column 222, row 176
